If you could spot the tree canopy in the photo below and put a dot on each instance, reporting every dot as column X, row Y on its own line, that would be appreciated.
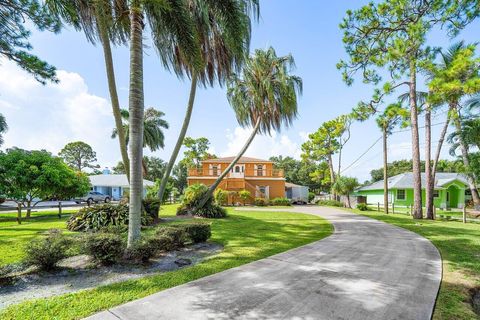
column 33, row 176
column 79, row 155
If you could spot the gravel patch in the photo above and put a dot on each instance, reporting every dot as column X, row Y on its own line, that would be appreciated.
column 78, row 273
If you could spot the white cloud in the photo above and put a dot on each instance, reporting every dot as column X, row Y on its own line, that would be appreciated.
column 263, row 146
column 50, row 116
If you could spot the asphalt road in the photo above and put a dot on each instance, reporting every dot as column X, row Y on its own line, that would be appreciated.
column 366, row 270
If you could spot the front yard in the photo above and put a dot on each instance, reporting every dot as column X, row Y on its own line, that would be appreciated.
column 246, row 236
column 459, row 245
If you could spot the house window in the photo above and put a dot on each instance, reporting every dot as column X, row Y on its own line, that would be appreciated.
column 401, row 194
column 263, row 190
column 436, row 194
column 260, row 170
column 237, row 169
column 215, row 170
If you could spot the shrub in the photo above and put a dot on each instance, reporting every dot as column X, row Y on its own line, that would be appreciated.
column 331, row 203
column 151, row 206
column 99, row 216
column 221, row 197
column 244, row 195
column 176, row 234
column 362, row 207
column 192, row 197
column 163, row 243
column 311, row 196
column 104, row 248
column 142, row 250
column 197, row 232
column 118, row 229
column 260, row 202
column 46, row 252
column 281, row 202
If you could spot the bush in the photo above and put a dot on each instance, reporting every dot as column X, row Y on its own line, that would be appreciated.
column 46, row 252
column 119, row 229
column 192, row 197
column 163, row 243
column 151, row 206
column 104, row 248
column 244, row 195
column 142, row 251
column 281, row 202
column 311, row 196
column 362, row 207
column 221, row 197
column 331, row 203
column 176, row 234
column 260, row 202
column 99, row 216
column 197, row 232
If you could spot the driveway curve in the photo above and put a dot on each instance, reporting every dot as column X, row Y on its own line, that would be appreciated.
column 366, row 269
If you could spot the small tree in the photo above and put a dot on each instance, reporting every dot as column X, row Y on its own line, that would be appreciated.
column 221, row 197
column 79, row 155
column 244, row 195
column 345, row 186
column 29, row 177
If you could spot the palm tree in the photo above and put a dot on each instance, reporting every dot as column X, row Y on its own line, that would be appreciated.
column 3, row 128
column 153, row 123
column 389, row 119
column 345, row 186
column 224, row 31
column 104, row 21
column 455, row 77
column 264, row 97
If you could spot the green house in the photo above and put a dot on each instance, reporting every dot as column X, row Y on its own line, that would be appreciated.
column 451, row 190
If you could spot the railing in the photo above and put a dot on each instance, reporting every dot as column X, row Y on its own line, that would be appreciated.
column 275, row 173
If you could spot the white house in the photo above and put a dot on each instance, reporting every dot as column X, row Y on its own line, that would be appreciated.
column 114, row 185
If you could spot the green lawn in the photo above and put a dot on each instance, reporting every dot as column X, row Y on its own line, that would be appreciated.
column 459, row 245
column 246, row 235
column 14, row 237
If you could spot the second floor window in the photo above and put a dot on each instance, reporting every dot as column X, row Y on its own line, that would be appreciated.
column 215, row 171
column 260, row 170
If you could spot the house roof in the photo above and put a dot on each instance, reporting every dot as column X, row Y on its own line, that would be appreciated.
column 405, row 181
column 114, row 180
column 291, row 185
column 242, row 160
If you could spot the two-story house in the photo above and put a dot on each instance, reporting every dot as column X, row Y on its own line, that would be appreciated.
column 257, row 176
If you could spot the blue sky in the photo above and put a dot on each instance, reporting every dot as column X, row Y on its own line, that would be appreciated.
column 78, row 108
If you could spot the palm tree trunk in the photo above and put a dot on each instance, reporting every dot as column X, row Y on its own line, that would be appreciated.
column 441, row 139
column 428, row 165
column 136, row 106
column 112, row 87
column 417, row 179
column 385, row 172
column 466, row 161
column 181, row 137
column 212, row 188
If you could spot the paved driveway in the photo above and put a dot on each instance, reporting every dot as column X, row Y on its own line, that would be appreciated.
column 366, row 270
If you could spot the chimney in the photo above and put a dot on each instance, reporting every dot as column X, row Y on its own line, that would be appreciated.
column 106, row 171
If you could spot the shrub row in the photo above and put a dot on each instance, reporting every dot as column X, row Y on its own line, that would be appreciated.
column 262, row 202
column 331, row 203
column 108, row 245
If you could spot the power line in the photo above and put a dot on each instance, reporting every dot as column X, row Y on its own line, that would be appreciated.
column 379, row 138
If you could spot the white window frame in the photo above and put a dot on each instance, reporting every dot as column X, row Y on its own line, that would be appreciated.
column 404, row 194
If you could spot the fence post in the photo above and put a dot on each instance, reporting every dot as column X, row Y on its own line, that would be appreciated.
column 434, row 212
column 464, row 211
column 393, row 208
column 378, row 206
column 59, row 209
column 19, row 213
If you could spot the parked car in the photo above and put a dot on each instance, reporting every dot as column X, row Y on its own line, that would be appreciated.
column 94, row 196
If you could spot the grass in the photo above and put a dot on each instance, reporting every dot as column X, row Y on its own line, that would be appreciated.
column 14, row 236
column 246, row 235
column 459, row 245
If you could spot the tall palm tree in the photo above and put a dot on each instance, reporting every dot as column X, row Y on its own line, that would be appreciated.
column 224, row 29
column 264, row 97
column 387, row 121
column 456, row 76
column 104, row 21
column 3, row 128
column 153, row 123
